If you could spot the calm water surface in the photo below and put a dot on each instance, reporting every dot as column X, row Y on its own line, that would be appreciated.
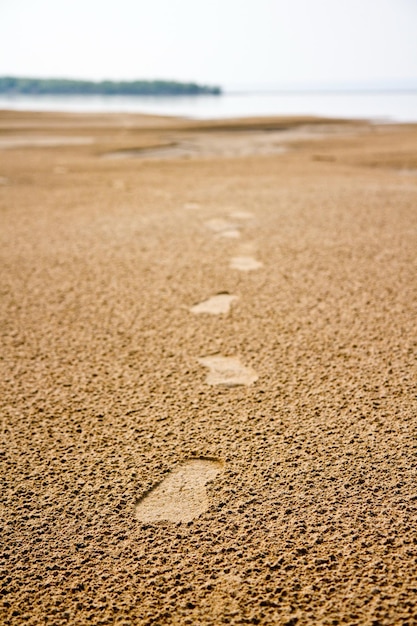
column 392, row 106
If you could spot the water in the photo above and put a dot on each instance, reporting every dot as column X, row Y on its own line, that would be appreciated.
column 388, row 106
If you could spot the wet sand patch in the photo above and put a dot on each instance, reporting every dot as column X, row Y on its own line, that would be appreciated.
column 201, row 145
column 216, row 305
column 43, row 142
column 182, row 495
column 227, row 371
column 167, row 151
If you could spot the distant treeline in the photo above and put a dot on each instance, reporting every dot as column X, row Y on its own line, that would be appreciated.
column 63, row 86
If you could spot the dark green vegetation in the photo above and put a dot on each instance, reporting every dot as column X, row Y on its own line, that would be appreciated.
column 61, row 86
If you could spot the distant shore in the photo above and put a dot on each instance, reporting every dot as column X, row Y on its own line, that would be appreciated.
column 12, row 85
column 396, row 107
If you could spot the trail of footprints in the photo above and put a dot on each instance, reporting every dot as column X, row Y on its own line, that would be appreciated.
column 182, row 495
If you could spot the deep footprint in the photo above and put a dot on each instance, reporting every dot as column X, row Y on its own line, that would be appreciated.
column 227, row 371
column 216, row 305
column 245, row 263
column 182, row 496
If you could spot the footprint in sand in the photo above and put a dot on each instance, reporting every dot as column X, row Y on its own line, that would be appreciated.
column 223, row 228
column 227, row 371
column 245, row 263
column 118, row 184
column 241, row 215
column 247, row 249
column 182, row 495
column 216, row 305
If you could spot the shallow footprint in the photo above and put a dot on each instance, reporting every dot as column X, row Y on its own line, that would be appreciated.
column 222, row 228
column 248, row 248
column 233, row 233
column 245, row 263
column 228, row 371
column 118, row 184
column 241, row 215
column 182, row 495
column 216, row 305
column 192, row 206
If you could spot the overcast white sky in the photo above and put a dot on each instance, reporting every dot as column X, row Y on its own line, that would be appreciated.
column 226, row 42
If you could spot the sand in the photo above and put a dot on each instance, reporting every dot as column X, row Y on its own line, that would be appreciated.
column 138, row 490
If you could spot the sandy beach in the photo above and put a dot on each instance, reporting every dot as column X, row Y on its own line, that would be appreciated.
column 208, row 371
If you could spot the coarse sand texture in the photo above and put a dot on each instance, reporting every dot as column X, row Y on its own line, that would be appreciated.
column 208, row 371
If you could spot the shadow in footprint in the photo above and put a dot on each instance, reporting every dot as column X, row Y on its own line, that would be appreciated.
column 227, row 371
column 216, row 305
column 182, row 495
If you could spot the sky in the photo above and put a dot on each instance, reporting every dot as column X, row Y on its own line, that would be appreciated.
column 232, row 43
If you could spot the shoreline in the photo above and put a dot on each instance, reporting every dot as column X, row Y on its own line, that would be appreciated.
column 400, row 106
